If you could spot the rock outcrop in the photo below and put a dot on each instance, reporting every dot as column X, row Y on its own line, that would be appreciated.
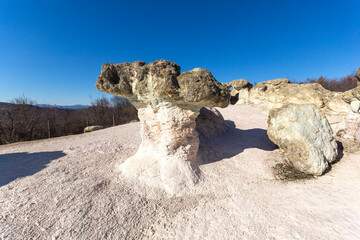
column 167, row 156
column 240, row 92
column 336, row 106
column 304, row 136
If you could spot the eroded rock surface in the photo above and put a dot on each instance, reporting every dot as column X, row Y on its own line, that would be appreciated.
column 304, row 136
column 167, row 157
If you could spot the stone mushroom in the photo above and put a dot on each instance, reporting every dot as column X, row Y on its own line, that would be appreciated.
column 167, row 156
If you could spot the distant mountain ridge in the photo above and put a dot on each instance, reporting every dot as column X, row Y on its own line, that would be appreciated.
column 72, row 107
column 77, row 106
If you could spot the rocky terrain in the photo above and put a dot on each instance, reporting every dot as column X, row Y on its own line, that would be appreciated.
column 188, row 170
column 342, row 109
column 66, row 188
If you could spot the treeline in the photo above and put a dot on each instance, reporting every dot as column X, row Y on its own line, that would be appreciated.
column 335, row 84
column 22, row 120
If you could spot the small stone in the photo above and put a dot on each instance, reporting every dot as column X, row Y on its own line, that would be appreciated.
column 92, row 128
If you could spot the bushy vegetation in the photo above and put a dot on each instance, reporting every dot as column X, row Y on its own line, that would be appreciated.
column 335, row 84
column 22, row 120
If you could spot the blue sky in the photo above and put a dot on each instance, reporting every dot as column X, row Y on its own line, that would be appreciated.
column 52, row 51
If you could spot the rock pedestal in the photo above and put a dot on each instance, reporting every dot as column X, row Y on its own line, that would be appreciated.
column 167, row 155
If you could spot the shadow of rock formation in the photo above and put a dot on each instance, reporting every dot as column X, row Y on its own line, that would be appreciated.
column 22, row 164
column 233, row 142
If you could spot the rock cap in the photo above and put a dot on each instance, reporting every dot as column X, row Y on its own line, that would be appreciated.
column 160, row 81
column 240, row 84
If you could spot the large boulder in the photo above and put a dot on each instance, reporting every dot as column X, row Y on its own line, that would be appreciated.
column 210, row 122
column 167, row 156
column 336, row 106
column 304, row 136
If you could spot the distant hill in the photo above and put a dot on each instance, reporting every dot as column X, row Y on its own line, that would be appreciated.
column 72, row 107
column 4, row 105
column 77, row 106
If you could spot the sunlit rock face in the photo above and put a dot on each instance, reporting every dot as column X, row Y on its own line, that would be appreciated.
column 336, row 106
column 304, row 135
column 161, row 81
column 167, row 157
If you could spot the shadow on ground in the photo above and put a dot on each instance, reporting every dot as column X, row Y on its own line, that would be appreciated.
column 233, row 142
column 22, row 164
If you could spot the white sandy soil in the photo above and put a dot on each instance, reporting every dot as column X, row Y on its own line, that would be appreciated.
column 66, row 188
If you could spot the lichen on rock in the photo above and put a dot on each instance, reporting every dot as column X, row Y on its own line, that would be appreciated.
column 161, row 81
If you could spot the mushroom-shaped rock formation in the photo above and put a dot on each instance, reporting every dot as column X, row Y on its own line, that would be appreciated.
column 167, row 156
column 304, row 135
column 240, row 92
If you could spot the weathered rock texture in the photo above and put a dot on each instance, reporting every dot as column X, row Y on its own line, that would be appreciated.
column 336, row 106
column 304, row 135
column 240, row 92
column 210, row 122
column 167, row 156
column 352, row 127
column 161, row 81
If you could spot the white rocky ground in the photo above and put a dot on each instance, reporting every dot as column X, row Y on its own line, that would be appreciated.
column 65, row 188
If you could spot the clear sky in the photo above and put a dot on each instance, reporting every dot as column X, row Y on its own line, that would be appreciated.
column 52, row 50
